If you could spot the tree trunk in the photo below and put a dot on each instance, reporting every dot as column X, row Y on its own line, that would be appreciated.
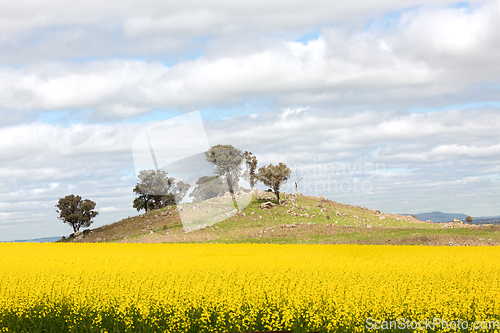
column 234, row 199
column 277, row 192
column 232, row 194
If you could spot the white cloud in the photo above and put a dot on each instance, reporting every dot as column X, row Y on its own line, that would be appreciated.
column 125, row 88
column 192, row 16
column 430, row 62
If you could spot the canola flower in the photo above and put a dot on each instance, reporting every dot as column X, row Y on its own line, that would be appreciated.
column 241, row 287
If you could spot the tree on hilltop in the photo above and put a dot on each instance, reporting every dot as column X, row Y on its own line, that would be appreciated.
column 76, row 212
column 208, row 187
column 156, row 190
column 143, row 201
column 227, row 161
column 274, row 177
column 251, row 165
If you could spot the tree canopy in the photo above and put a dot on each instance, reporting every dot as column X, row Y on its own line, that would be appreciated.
column 208, row 187
column 227, row 161
column 76, row 212
column 156, row 190
column 251, row 165
column 274, row 176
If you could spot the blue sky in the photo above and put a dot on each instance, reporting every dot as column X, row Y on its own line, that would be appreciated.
column 410, row 85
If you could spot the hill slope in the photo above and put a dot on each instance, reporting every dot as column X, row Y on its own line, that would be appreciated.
column 301, row 219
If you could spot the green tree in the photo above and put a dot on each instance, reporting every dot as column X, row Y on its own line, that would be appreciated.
column 274, row 177
column 76, row 212
column 468, row 219
column 156, row 184
column 143, row 201
column 227, row 161
column 156, row 190
column 208, row 187
column 251, row 164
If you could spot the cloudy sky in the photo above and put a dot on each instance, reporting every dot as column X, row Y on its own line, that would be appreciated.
column 392, row 105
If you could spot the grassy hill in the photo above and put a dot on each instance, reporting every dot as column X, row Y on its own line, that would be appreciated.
column 301, row 219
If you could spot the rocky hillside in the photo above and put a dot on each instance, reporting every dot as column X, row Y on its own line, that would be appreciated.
column 300, row 219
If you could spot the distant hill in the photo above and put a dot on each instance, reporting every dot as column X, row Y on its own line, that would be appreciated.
column 37, row 240
column 486, row 220
column 440, row 217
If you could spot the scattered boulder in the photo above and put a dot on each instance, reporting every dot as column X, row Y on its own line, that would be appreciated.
column 267, row 205
column 231, row 213
column 168, row 211
column 455, row 224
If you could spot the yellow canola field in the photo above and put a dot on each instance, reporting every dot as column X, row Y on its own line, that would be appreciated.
column 242, row 287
